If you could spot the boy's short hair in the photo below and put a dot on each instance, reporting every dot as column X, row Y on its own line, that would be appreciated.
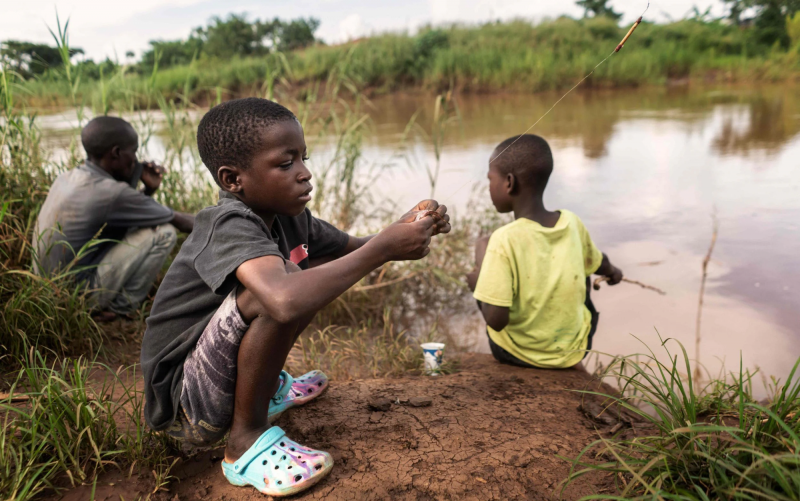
column 103, row 133
column 528, row 157
column 229, row 134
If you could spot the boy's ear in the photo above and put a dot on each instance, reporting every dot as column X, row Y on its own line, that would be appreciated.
column 114, row 151
column 511, row 183
column 229, row 179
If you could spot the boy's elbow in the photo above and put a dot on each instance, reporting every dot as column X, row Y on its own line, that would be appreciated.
column 496, row 316
column 497, row 324
column 281, row 308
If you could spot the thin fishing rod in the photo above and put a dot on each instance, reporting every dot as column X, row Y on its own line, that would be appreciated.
column 617, row 49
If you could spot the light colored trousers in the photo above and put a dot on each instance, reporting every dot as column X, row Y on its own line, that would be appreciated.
column 127, row 272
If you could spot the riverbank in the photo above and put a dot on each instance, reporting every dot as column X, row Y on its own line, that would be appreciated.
column 515, row 56
column 488, row 431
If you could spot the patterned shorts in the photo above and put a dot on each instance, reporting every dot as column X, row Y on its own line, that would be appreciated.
column 209, row 378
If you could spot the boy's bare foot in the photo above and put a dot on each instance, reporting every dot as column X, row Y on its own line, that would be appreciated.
column 239, row 442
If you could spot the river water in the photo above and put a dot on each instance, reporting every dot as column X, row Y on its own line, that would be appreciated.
column 646, row 170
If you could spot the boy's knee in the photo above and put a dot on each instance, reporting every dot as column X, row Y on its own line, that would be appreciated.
column 166, row 235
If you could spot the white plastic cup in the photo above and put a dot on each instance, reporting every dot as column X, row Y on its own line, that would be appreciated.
column 433, row 357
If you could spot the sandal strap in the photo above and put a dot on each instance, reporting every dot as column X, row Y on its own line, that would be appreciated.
column 264, row 442
column 286, row 385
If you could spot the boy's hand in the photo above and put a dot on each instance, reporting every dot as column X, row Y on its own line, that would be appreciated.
column 405, row 240
column 615, row 276
column 152, row 174
column 441, row 217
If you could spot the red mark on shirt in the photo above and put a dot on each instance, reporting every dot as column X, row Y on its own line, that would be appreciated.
column 298, row 254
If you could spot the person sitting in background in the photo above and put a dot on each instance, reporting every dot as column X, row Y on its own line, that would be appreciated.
column 98, row 201
column 531, row 277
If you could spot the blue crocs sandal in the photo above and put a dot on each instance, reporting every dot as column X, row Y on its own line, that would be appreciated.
column 293, row 392
column 278, row 466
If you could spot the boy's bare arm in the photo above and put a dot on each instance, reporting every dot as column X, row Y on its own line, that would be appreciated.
column 286, row 298
column 354, row 243
column 480, row 252
column 496, row 317
column 607, row 269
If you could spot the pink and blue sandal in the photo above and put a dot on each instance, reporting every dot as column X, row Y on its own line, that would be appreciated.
column 293, row 392
column 278, row 466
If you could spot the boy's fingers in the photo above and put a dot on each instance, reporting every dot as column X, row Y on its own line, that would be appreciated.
column 429, row 204
column 426, row 222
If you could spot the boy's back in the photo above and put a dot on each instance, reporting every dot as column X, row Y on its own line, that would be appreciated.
column 539, row 273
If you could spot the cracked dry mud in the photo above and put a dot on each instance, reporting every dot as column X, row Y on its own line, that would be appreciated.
column 492, row 432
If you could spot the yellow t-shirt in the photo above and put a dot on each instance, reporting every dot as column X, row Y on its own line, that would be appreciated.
column 540, row 275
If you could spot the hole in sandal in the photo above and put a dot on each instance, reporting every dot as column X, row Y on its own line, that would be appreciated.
column 283, row 457
column 298, row 478
column 291, row 448
column 264, row 462
column 318, row 467
column 311, row 390
column 283, row 445
column 289, row 468
column 273, row 453
column 319, row 384
column 280, row 483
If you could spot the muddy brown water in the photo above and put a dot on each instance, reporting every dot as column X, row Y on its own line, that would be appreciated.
column 645, row 169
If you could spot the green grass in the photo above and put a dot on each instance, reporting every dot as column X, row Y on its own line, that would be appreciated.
column 510, row 56
column 69, row 420
column 698, row 441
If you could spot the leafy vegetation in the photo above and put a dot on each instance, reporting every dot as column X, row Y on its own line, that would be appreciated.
column 70, row 419
column 697, row 441
column 511, row 56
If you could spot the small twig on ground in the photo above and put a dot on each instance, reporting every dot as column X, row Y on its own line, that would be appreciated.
column 600, row 280
column 706, row 260
column 15, row 398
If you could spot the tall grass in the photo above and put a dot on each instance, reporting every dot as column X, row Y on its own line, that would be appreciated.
column 698, row 442
column 46, row 311
column 71, row 419
column 509, row 56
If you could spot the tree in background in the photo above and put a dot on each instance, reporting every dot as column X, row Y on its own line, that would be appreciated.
column 171, row 52
column 770, row 18
column 736, row 8
column 31, row 59
column 296, row 34
column 234, row 36
column 598, row 8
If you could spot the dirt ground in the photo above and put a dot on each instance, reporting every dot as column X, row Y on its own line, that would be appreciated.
column 491, row 431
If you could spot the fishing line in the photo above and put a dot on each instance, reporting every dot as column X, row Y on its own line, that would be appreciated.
column 616, row 49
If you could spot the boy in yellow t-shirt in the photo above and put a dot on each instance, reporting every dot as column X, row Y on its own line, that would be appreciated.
column 532, row 276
